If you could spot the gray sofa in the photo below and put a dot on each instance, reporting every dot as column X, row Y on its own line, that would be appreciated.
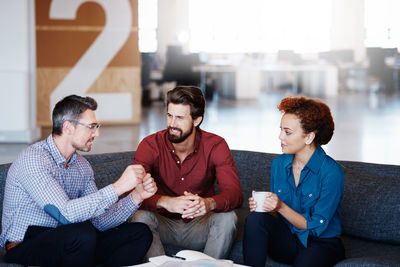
column 371, row 203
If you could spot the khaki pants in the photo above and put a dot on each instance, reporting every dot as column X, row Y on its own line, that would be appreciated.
column 213, row 232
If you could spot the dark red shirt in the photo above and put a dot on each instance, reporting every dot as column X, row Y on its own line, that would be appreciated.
column 211, row 160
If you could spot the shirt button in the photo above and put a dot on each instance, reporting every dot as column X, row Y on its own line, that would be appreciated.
column 178, row 162
column 173, row 151
column 310, row 195
column 182, row 178
column 279, row 190
column 321, row 221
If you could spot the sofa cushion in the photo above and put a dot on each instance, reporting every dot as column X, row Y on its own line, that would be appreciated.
column 361, row 252
column 371, row 206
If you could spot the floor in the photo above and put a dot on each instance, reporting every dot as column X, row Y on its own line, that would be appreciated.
column 367, row 127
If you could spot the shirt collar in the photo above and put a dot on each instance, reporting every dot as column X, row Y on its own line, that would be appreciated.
column 197, row 141
column 167, row 142
column 55, row 153
column 288, row 161
column 314, row 164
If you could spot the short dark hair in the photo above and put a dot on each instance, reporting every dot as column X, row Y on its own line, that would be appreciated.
column 70, row 108
column 314, row 115
column 188, row 95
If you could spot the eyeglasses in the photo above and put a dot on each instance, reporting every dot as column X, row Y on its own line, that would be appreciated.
column 93, row 127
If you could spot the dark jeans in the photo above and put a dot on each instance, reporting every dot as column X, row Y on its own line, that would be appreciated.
column 80, row 244
column 266, row 234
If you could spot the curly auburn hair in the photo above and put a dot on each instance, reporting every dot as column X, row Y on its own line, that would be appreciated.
column 314, row 115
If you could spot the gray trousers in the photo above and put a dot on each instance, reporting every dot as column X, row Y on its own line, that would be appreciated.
column 213, row 233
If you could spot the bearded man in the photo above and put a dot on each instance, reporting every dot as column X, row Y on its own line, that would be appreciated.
column 186, row 162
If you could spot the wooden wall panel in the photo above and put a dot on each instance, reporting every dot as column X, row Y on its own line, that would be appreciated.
column 65, row 38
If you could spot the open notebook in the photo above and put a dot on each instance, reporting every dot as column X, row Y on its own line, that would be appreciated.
column 185, row 256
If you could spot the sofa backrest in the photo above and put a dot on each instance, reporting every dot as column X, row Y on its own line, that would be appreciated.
column 108, row 167
column 371, row 206
column 254, row 170
column 371, row 201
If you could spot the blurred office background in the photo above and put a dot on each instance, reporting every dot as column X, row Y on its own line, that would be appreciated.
column 245, row 55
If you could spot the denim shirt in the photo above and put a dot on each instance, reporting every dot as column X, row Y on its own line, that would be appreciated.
column 318, row 195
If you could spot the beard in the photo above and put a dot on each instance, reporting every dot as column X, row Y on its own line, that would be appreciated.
column 181, row 137
column 84, row 148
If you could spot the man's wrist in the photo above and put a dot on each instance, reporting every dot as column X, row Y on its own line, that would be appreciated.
column 161, row 202
column 118, row 190
column 212, row 205
column 136, row 198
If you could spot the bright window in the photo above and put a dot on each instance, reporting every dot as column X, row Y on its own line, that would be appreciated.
column 382, row 23
column 148, row 20
column 234, row 26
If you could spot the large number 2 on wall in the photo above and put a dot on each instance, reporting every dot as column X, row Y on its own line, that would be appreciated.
column 100, row 53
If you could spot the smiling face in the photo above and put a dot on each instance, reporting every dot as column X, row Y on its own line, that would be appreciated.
column 180, row 123
column 293, row 139
column 83, row 136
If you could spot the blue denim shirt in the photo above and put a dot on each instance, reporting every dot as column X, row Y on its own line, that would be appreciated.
column 318, row 196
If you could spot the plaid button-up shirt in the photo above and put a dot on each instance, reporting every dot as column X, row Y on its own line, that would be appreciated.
column 41, row 191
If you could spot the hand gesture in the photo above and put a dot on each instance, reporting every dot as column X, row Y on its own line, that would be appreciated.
column 199, row 206
column 132, row 175
column 145, row 189
column 176, row 204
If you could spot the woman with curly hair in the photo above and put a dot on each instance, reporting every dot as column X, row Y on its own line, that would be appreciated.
column 301, row 224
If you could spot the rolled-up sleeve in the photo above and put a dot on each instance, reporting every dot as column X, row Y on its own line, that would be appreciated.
column 329, row 198
column 320, row 216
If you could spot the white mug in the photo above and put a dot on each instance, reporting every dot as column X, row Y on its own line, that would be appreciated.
column 259, row 197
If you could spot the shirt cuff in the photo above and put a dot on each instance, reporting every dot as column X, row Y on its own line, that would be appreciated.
column 220, row 203
column 129, row 204
column 151, row 203
column 303, row 236
column 110, row 194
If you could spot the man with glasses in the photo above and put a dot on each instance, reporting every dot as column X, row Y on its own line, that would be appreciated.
column 53, row 213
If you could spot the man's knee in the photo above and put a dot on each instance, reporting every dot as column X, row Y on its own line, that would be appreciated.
column 78, row 244
column 81, row 235
column 224, row 217
column 140, row 232
column 146, row 217
column 226, row 221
